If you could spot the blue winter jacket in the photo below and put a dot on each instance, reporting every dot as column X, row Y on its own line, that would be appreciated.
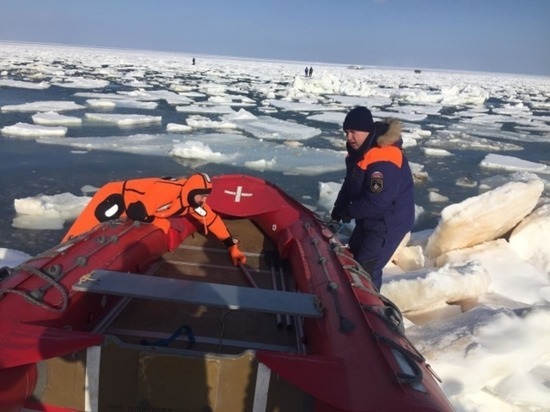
column 378, row 190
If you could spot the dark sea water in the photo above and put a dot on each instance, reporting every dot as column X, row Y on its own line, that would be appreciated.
column 28, row 168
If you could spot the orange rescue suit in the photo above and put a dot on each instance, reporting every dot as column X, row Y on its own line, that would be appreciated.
column 155, row 200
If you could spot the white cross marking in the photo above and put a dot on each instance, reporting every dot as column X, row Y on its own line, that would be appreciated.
column 238, row 194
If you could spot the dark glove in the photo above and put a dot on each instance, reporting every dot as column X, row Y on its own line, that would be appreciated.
column 342, row 214
column 137, row 211
column 336, row 214
column 346, row 218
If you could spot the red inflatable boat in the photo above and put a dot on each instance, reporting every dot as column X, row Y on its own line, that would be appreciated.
column 128, row 318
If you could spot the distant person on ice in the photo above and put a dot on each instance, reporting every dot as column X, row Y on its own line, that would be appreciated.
column 310, row 71
column 155, row 200
column 306, row 70
column 377, row 191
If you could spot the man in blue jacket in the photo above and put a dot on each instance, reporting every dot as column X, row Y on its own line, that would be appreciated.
column 378, row 190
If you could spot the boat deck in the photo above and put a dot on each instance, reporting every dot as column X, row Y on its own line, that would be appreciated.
column 215, row 329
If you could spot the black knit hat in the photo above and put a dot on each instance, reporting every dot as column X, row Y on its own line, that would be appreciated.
column 359, row 118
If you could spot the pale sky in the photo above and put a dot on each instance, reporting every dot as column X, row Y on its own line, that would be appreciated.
column 510, row 36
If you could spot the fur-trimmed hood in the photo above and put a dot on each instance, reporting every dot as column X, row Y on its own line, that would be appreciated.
column 386, row 133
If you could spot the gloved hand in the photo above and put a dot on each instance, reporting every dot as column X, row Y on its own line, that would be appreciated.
column 342, row 214
column 346, row 218
column 236, row 255
column 336, row 214
column 137, row 211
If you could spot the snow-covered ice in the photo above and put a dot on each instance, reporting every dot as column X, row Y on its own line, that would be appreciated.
column 475, row 289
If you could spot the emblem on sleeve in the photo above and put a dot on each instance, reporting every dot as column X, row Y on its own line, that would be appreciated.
column 376, row 182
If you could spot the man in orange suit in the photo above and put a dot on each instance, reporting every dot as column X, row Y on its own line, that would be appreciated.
column 154, row 200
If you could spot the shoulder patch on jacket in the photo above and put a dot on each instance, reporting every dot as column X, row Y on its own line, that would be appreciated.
column 376, row 182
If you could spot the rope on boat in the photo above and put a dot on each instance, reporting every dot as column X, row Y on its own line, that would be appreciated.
column 390, row 309
column 334, row 226
column 392, row 319
column 167, row 341
column 354, row 268
column 389, row 313
column 222, row 329
column 346, row 325
column 412, row 359
column 35, row 297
